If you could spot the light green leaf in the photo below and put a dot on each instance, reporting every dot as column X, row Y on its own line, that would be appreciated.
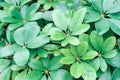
column 17, row 68
column 60, row 19
column 5, row 75
column 88, row 72
column 98, row 5
column 82, row 48
column 115, row 26
column 109, row 44
column 102, row 26
column 67, row 60
column 110, row 54
column 96, row 40
column 92, row 15
column 36, row 16
column 73, row 40
column 56, row 75
column 64, row 42
column 103, row 64
column 80, row 29
column 106, row 75
column 66, row 52
column 95, row 63
column 22, row 2
column 10, row 20
column 35, row 64
column 116, row 75
column 31, row 10
column 109, row 4
column 58, row 36
column 77, row 19
column 21, row 76
column 21, row 56
column 89, row 55
column 76, row 70
column 27, row 33
column 38, row 42
column 34, row 75
column 55, row 63
column 115, row 61
column 8, row 50
column 4, row 63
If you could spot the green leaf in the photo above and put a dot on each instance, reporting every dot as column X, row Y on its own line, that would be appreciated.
column 4, row 63
column 109, row 4
column 80, row 29
column 10, row 20
column 43, row 78
column 42, row 52
column 109, row 44
column 115, row 61
column 114, row 8
column 76, row 70
column 34, row 75
column 21, row 76
column 31, row 10
column 14, row 26
column 5, row 75
column 64, row 42
column 22, row 2
column 45, row 61
column 66, row 52
column 89, row 55
column 17, row 68
column 58, row 36
column 102, row 26
column 116, row 75
column 88, row 72
column 82, row 48
column 8, row 50
column 77, row 19
column 60, row 19
column 16, row 13
column 95, row 63
column 38, row 42
column 98, row 5
column 106, row 75
column 91, row 15
column 67, row 60
column 56, row 74
column 114, row 24
column 36, row 16
column 35, row 64
column 55, row 63
column 103, row 65
column 21, row 56
column 96, row 40
column 73, row 40
column 110, row 54
column 119, row 43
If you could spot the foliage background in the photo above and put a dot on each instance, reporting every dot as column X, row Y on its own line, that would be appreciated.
column 59, row 39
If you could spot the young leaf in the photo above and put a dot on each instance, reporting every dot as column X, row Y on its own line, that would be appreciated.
column 67, row 60
column 109, row 44
column 73, row 40
column 77, row 19
column 89, row 55
column 80, row 29
column 38, row 41
column 102, row 26
column 110, row 54
column 60, row 19
column 21, row 56
column 34, row 75
column 103, row 65
column 76, row 70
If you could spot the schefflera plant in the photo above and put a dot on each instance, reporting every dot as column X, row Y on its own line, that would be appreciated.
column 68, row 26
column 43, row 69
column 104, row 47
column 25, row 39
column 18, row 17
column 78, row 57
